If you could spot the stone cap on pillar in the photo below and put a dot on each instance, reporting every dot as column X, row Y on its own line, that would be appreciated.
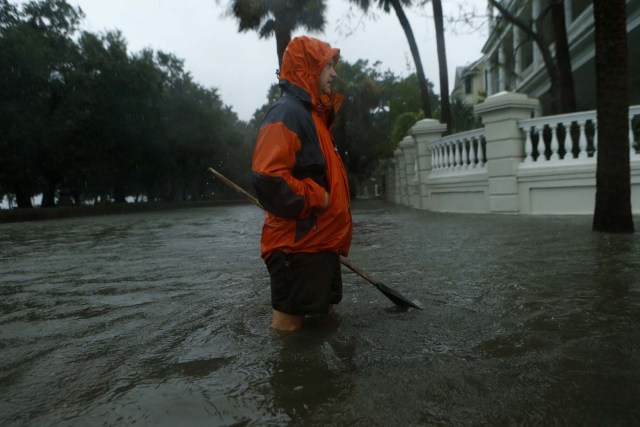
column 407, row 142
column 428, row 127
column 501, row 101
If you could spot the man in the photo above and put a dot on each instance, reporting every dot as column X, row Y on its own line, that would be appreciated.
column 301, row 181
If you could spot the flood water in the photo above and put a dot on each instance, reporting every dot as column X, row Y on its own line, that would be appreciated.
column 162, row 319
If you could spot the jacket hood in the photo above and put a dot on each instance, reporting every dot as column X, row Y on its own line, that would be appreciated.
column 302, row 62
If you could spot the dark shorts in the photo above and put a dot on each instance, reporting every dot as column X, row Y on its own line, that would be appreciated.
column 304, row 283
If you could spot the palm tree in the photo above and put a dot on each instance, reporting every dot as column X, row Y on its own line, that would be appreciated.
column 279, row 18
column 613, row 185
column 445, row 108
column 397, row 6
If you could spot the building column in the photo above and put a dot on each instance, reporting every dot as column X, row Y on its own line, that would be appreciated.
column 517, row 51
column 502, row 71
column 537, row 56
column 505, row 146
column 492, row 20
column 424, row 132
column 488, row 78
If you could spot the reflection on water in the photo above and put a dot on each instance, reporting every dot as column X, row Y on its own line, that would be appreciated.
column 162, row 319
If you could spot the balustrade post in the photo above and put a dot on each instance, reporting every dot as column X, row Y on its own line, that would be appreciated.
column 424, row 132
column 632, row 150
column 478, row 153
column 528, row 146
column 467, row 146
column 582, row 140
column 505, row 146
column 435, row 158
column 555, row 145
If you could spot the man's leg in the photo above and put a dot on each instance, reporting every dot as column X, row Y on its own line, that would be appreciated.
column 303, row 283
column 286, row 322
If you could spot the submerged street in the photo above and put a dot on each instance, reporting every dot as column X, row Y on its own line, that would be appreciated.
column 162, row 318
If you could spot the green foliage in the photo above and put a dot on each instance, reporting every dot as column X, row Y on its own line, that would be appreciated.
column 273, row 94
column 401, row 126
column 35, row 55
column 266, row 17
column 278, row 18
column 463, row 117
column 373, row 103
column 362, row 126
column 84, row 120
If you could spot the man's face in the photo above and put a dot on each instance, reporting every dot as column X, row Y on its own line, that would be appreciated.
column 326, row 78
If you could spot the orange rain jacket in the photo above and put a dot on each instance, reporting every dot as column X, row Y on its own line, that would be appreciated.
column 295, row 160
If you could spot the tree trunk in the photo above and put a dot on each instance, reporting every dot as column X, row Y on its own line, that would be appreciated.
column 445, row 108
column 413, row 46
column 566, row 94
column 48, row 199
column 48, row 195
column 23, row 199
column 613, row 181
column 283, row 37
column 119, row 193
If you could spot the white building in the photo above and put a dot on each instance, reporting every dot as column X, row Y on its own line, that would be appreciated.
column 512, row 62
column 522, row 160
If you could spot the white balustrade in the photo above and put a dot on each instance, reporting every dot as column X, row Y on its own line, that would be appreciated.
column 542, row 137
column 457, row 162
column 559, row 137
column 459, row 152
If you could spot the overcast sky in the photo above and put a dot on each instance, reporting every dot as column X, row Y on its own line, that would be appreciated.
column 242, row 66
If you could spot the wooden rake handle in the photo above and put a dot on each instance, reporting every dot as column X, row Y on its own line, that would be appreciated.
column 390, row 293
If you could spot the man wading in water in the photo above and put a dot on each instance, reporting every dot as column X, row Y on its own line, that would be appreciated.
column 300, row 180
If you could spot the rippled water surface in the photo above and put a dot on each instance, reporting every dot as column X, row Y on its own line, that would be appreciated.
column 162, row 319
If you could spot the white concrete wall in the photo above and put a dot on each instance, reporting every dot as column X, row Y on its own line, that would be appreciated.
column 445, row 175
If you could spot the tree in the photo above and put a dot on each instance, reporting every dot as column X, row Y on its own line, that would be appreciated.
column 378, row 109
column 362, row 126
column 279, row 18
column 37, row 53
column 397, row 6
column 559, row 70
column 613, row 186
column 83, row 119
column 463, row 117
column 445, row 107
